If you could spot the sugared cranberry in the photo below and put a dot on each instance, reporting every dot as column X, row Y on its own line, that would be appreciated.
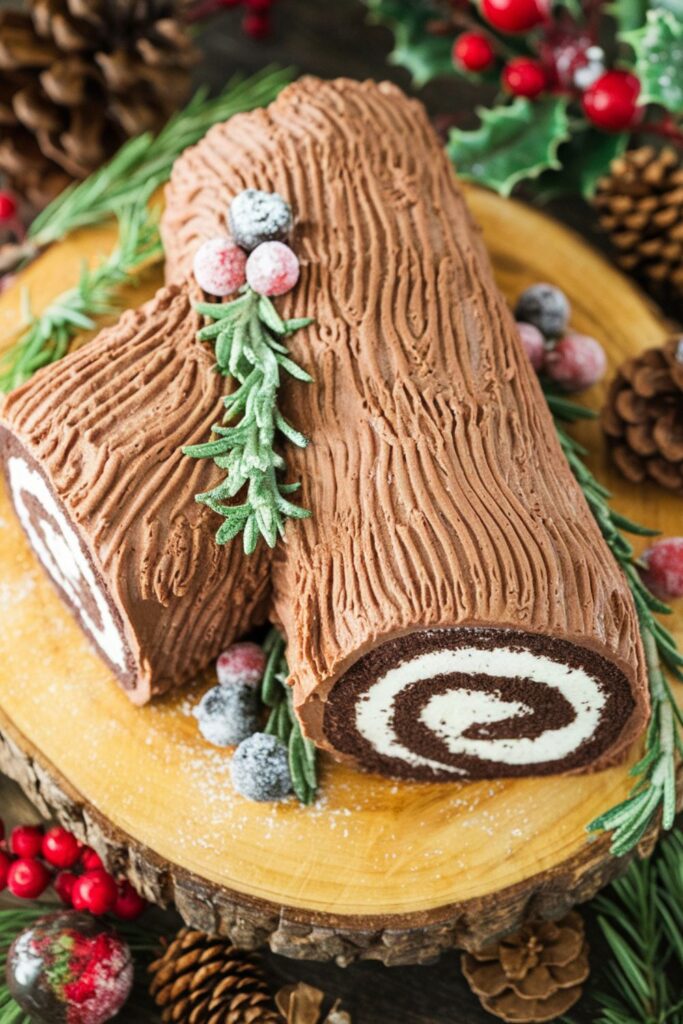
column 27, row 878
column 533, row 343
column 514, row 15
column 94, row 891
column 473, row 51
column 241, row 663
column 611, row 102
column 576, row 362
column 129, row 903
column 524, row 77
column 219, row 266
column 663, row 572
column 26, row 841
column 60, row 847
column 64, row 886
column 272, row 269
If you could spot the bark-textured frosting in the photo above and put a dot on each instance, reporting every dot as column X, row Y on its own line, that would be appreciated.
column 442, row 504
column 91, row 449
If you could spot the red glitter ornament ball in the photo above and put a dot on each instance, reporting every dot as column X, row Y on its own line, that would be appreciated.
column 611, row 102
column 272, row 269
column 524, row 77
column 60, row 847
column 473, row 51
column 514, row 15
column 95, row 891
column 26, row 841
column 27, row 878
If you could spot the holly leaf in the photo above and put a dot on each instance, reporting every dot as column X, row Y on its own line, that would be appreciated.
column 513, row 143
column 658, row 48
column 422, row 53
column 585, row 158
column 628, row 14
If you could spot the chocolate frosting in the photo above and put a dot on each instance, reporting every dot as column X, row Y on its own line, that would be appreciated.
column 439, row 492
column 105, row 427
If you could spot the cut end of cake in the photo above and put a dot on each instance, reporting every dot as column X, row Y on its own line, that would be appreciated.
column 478, row 703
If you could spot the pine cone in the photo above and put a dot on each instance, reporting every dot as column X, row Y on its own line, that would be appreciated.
column 535, row 974
column 640, row 206
column 79, row 77
column 643, row 416
column 203, row 979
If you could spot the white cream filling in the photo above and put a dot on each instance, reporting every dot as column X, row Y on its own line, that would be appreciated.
column 63, row 556
column 449, row 715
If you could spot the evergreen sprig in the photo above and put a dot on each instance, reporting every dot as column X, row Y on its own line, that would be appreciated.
column 276, row 694
column 145, row 162
column 248, row 335
column 47, row 336
column 655, row 773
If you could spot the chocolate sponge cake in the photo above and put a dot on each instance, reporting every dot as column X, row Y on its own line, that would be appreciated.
column 451, row 609
column 91, row 452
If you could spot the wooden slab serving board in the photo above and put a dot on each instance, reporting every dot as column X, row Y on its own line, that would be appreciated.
column 392, row 871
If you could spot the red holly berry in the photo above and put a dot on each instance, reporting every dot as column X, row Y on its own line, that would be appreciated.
column 241, row 663
column 26, row 840
column 272, row 269
column 64, row 886
column 5, row 864
column 524, row 77
column 27, row 878
column 473, row 52
column 60, row 847
column 90, row 860
column 95, row 891
column 219, row 266
column 663, row 572
column 514, row 15
column 257, row 25
column 533, row 343
column 611, row 102
column 576, row 362
column 8, row 207
column 129, row 903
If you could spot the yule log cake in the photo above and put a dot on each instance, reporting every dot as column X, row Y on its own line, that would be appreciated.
column 450, row 608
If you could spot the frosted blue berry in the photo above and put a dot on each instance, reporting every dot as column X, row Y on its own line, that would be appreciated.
column 546, row 307
column 260, row 768
column 257, row 217
column 226, row 715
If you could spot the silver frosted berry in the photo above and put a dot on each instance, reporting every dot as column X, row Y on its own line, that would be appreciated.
column 257, row 217
column 226, row 715
column 546, row 307
column 260, row 768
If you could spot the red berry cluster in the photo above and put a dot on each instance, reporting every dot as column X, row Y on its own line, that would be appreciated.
column 34, row 859
column 609, row 99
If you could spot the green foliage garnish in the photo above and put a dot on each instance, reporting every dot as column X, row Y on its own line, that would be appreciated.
column 47, row 336
column 145, row 162
column 248, row 335
column 424, row 55
column 515, row 142
column 658, row 48
column 283, row 723
column 655, row 773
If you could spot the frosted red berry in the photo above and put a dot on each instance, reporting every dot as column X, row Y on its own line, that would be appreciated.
column 663, row 572
column 63, row 885
column 27, row 878
column 533, row 343
column 219, row 266
column 5, row 863
column 60, row 847
column 8, row 207
column 272, row 269
column 611, row 102
column 514, row 15
column 242, row 663
column 524, row 77
column 26, row 841
column 576, row 362
column 90, row 861
column 473, row 51
column 95, row 891
column 129, row 903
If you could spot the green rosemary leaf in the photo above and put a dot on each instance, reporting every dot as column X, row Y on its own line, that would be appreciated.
column 567, row 410
column 297, row 323
column 627, row 524
column 293, row 370
column 270, row 316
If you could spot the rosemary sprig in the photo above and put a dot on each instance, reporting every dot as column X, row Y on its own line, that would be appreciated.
column 145, row 162
column 283, row 723
column 47, row 336
column 248, row 334
column 655, row 773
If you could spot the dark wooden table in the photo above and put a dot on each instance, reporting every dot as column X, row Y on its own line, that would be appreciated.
column 332, row 38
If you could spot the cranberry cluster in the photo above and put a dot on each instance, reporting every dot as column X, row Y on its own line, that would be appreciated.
column 34, row 858
column 568, row 61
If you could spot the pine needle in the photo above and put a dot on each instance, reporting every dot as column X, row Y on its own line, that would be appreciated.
column 654, row 790
column 145, row 162
column 248, row 335
column 47, row 336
